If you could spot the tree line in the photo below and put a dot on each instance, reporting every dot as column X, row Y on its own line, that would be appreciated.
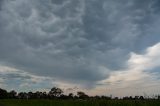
column 57, row 93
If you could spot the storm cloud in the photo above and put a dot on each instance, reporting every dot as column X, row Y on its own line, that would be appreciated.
column 78, row 41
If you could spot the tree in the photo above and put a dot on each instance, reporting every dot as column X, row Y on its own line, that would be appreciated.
column 70, row 95
column 12, row 94
column 82, row 95
column 159, row 97
column 3, row 94
column 55, row 92
column 44, row 95
column 31, row 95
column 23, row 95
column 141, row 98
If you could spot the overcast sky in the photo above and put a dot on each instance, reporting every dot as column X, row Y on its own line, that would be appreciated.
column 98, row 46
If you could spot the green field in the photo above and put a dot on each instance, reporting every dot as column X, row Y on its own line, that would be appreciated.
column 79, row 103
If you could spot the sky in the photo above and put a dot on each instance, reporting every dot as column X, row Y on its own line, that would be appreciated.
column 102, row 47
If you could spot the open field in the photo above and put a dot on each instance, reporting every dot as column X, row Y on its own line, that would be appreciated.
column 79, row 103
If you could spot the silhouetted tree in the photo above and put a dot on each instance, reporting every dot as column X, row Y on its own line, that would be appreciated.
column 3, row 94
column 97, row 97
column 44, row 95
column 58, row 94
column 12, row 94
column 159, row 97
column 82, row 95
column 70, row 95
column 55, row 92
column 31, row 95
column 105, row 97
column 23, row 95
column 116, row 98
column 64, row 97
column 136, row 97
column 141, row 98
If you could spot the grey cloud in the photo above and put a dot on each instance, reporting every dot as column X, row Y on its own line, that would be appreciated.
column 71, row 40
column 1, row 2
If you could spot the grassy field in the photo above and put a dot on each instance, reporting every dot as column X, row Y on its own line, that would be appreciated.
column 79, row 103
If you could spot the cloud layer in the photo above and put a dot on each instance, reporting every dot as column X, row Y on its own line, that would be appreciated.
column 82, row 41
column 141, row 76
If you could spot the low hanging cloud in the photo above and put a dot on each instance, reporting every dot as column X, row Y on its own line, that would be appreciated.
column 78, row 41
column 139, row 77
column 140, row 65
column 21, row 80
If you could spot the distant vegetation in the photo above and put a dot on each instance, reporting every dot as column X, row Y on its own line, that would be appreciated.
column 57, row 93
column 55, row 97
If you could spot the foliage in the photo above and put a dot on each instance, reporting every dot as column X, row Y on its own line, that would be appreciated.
column 57, row 94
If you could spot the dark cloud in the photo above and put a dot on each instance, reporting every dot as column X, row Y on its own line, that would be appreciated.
column 1, row 2
column 80, row 40
column 57, row 1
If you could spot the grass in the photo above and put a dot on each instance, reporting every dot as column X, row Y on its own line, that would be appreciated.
column 79, row 103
